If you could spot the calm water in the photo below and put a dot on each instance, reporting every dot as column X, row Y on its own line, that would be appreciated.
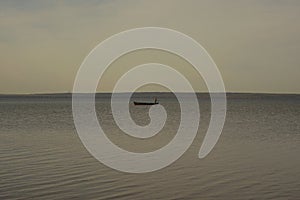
column 257, row 156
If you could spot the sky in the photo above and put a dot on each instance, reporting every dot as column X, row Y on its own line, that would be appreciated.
column 255, row 43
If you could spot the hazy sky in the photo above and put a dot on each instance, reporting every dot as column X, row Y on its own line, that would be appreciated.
column 255, row 43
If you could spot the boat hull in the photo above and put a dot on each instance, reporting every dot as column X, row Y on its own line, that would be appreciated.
column 144, row 103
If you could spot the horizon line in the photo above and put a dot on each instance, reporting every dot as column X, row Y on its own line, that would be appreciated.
column 70, row 93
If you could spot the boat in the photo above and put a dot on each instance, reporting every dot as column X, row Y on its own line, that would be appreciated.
column 137, row 103
column 144, row 103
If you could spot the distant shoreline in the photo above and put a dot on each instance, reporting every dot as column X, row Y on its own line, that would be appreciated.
column 106, row 94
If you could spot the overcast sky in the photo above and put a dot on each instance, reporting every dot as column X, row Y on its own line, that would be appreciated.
column 255, row 43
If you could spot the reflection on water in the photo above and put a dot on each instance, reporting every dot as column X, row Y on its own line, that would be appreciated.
column 257, row 156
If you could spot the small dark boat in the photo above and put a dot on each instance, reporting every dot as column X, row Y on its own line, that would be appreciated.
column 136, row 103
column 144, row 103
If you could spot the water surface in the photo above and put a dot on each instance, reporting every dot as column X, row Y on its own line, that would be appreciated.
column 257, row 156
